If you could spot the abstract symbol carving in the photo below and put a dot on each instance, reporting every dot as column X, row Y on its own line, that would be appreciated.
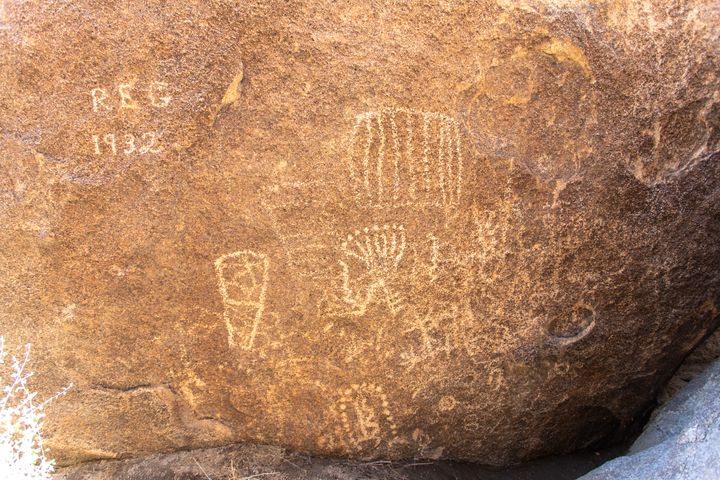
column 401, row 157
column 365, row 416
column 566, row 331
column 371, row 260
column 243, row 280
column 556, row 94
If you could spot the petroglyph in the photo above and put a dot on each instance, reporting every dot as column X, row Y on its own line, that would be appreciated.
column 438, row 330
column 402, row 157
column 556, row 96
column 566, row 331
column 677, row 141
column 496, row 379
column 433, row 334
column 424, row 445
column 365, row 417
column 471, row 423
column 434, row 256
column 242, row 281
column 447, row 403
column 371, row 260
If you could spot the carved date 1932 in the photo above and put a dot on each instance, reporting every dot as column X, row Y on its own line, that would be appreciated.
column 129, row 97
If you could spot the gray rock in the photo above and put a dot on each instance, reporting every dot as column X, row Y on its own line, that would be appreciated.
column 682, row 440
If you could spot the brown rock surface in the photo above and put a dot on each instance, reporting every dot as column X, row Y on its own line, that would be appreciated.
column 476, row 230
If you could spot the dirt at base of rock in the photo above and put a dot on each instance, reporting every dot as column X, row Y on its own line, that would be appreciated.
column 245, row 462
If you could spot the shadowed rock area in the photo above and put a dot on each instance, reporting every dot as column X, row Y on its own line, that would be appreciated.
column 681, row 441
column 249, row 462
column 484, row 231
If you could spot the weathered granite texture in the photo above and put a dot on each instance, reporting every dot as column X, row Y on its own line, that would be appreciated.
column 682, row 440
column 484, row 230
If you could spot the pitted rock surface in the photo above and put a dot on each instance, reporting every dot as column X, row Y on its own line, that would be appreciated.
column 481, row 230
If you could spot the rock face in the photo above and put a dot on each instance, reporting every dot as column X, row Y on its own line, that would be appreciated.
column 694, row 364
column 682, row 440
column 474, row 230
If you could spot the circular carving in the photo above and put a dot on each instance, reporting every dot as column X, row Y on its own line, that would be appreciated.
column 537, row 106
column 570, row 329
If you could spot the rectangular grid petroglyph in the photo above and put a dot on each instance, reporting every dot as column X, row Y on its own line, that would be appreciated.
column 402, row 157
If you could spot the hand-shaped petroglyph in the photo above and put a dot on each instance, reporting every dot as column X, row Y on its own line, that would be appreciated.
column 371, row 261
column 378, row 248
column 243, row 280
column 401, row 157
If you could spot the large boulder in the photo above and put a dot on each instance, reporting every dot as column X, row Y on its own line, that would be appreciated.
column 682, row 440
column 482, row 230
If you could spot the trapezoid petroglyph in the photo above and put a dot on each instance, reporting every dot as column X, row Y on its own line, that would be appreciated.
column 242, row 281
